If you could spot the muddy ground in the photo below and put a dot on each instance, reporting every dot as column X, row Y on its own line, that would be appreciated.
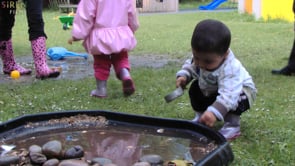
column 74, row 68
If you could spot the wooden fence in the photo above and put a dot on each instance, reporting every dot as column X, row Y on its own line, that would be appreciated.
column 157, row 5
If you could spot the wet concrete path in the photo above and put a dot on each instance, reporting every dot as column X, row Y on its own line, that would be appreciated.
column 75, row 68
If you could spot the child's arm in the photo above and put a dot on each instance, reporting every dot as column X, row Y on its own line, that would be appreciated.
column 84, row 19
column 72, row 39
column 208, row 118
column 186, row 74
column 133, row 22
column 181, row 82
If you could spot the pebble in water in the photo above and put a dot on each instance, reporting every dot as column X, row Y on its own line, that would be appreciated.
column 74, row 152
column 9, row 160
column 142, row 164
column 153, row 159
column 52, row 149
column 37, row 158
column 73, row 162
column 35, row 149
column 51, row 162
column 101, row 161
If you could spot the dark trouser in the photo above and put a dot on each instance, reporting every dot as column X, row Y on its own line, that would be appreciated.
column 34, row 18
column 291, row 62
column 200, row 102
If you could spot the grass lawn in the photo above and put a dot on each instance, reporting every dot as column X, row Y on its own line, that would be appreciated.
column 268, row 128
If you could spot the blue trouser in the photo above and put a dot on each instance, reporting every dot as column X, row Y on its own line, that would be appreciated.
column 34, row 18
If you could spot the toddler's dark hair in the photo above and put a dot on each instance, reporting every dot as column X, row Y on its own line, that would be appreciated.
column 211, row 36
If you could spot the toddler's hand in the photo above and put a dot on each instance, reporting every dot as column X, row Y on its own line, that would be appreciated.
column 208, row 118
column 70, row 41
column 181, row 82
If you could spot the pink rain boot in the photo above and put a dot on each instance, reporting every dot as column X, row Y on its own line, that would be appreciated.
column 9, row 64
column 128, row 85
column 39, row 55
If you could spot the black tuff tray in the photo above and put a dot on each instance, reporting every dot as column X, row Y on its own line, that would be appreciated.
column 221, row 156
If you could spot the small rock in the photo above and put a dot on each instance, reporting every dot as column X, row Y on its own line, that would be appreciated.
column 111, row 164
column 142, row 164
column 35, row 149
column 52, row 149
column 9, row 160
column 51, row 162
column 37, row 158
column 73, row 162
column 96, row 164
column 101, row 161
column 153, row 159
column 74, row 152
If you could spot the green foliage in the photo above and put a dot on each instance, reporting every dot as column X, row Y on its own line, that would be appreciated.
column 267, row 129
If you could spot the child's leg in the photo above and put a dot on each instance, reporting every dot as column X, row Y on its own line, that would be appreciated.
column 122, row 68
column 231, row 127
column 120, row 61
column 199, row 102
column 101, row 65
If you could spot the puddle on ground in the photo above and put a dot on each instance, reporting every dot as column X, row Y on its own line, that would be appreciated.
column 122, row 143
column 75, row 68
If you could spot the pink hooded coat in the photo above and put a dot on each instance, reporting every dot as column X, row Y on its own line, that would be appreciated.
column 106, row 26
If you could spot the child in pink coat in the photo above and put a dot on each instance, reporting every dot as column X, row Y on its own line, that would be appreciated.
column 107, row 29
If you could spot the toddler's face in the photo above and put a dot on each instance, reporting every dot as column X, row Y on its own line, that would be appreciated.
column 208, row 61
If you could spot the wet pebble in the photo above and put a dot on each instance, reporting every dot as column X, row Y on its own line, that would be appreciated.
column 73, row 162
column 51, row 162
column 52, row 149
column 23, row 153
column 142, row 164
column 74, row 152
column 101, row 161
column 111, row 164
column 9, row 160
column 37, row 158
column 153, row 159
column 35, row 149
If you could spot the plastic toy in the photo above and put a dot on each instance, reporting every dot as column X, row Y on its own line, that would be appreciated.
column 59, row 53
column 173, row 95
column 67, row 21
column 213, row 5
column 15, row 74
